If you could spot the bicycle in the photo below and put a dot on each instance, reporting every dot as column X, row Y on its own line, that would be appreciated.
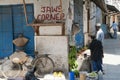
column 8, row 69
column 42, row 62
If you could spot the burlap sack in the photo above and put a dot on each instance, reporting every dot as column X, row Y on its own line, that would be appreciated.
column 20, row 41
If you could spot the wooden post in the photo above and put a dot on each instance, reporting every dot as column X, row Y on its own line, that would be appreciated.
column 61, row 10
column 26, row 18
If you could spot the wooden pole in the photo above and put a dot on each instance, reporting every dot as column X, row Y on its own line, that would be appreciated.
column 26, row 18
column 61, row 10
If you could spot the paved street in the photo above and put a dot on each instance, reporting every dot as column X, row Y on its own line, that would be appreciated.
column 112, row 59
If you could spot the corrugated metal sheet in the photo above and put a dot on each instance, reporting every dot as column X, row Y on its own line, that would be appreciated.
column 6, row 46
column 21, row 27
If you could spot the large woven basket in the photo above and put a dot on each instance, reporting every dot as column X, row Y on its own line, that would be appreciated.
column 18, row 55
column 20, row 42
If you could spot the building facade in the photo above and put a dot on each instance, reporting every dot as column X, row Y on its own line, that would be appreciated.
column 94, row 12
column 114, row 15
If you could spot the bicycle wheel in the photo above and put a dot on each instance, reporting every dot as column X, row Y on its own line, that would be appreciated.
column 10, row 70
column 44, row 65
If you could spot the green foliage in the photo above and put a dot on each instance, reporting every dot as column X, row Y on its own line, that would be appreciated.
column 72, row 60
column 74, row 69
column 76, row 72
column 72, row 57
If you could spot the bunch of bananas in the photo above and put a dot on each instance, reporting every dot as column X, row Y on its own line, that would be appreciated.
column 57, row 74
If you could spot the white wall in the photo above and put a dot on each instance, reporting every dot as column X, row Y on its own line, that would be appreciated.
column 50, row 30
column 116, row 18
column 85, row 24
column 40, row 5
column 111, row 20
column 43, row 7
column 92, row 18
column 57, row 46
column 98, row 15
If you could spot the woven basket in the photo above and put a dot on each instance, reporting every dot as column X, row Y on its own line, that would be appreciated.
column 20, row 42
column 18, row 55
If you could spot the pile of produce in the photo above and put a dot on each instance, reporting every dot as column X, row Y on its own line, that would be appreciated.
column 93, row 75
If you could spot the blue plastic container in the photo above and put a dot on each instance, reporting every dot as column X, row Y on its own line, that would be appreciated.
column 71, row 76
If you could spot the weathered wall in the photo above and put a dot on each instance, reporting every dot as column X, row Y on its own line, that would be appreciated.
column 111, row 20
column 116, row 18
column 85, row 23
column 78, row 18
column 69, row 17
column 95, row 17
column 57, row 46
column 108, row 20
column 45, row 9
column 92, row 18
column 50, row 30
column 98, row 15
column 51, row 9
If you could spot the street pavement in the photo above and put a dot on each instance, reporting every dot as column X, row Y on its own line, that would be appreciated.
column 111, row 60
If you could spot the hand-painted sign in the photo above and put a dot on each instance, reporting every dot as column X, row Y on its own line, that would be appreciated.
column 51, row 13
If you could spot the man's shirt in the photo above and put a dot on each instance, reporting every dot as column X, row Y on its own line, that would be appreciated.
column 114, row 25
column 100, row 35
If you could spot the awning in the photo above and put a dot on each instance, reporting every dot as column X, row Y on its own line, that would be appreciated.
column 112, row 8
column 101, row 4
